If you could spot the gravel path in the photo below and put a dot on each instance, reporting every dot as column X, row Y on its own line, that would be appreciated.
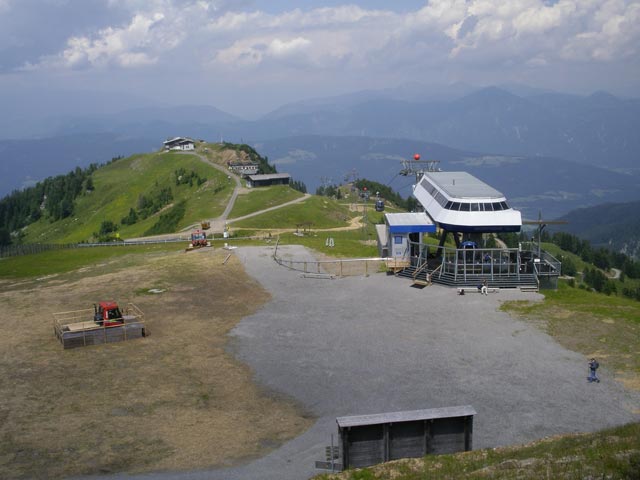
column 370, row 345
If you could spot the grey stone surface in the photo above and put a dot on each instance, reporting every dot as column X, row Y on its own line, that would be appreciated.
column 362, row 345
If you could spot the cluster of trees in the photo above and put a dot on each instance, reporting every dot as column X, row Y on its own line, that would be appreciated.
column 600, row 257
column 168, row 222
column 298, row 185
column 108, row 231
column 149, row 204
column 184, row 178
column 386, row 193
column 374, row 188
column 51, row 198
column 329, row 191
column 597, row 280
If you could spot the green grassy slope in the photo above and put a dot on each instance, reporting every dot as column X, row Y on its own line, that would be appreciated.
column 261, row 198
column 118, row 187
column 322, row 212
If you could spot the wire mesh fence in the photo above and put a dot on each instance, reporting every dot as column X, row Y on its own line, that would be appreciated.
column 31, row 248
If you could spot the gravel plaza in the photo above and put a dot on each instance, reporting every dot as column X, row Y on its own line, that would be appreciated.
column 360, row 345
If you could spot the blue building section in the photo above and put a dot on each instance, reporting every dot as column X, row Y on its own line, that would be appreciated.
column 399, row 233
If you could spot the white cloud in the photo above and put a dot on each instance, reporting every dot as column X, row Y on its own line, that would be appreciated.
column 444, row 34
column 132, row 45
column 283, row 48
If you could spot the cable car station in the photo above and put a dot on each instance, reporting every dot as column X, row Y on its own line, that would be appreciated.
column 461, row 205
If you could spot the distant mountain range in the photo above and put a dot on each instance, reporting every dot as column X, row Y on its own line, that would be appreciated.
column 531, row 184
column 599, row 129
column 546, row 151
column 612, row 225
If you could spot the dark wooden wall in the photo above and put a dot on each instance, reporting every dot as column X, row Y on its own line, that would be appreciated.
column 366, row 445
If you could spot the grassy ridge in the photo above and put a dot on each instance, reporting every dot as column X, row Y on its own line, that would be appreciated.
column 118, row 187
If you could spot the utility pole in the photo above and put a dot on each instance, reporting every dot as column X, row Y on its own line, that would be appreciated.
column 541, row 226
column 365, row 195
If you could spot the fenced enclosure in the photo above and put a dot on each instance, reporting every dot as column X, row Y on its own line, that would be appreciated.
column 77, row 329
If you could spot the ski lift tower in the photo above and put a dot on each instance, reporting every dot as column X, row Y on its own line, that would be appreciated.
column 418, row 167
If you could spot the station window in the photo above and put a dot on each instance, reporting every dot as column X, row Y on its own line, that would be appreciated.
column 397, row 239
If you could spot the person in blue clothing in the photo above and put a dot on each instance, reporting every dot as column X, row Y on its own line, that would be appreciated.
column 593, row 366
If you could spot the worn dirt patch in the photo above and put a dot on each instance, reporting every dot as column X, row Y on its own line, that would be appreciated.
column 174, row 400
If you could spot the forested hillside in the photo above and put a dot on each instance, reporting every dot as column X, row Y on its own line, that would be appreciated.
column 615, row 226
column 142, row 194
column 53, row 198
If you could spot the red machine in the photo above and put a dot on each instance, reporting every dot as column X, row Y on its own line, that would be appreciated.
column 107, row 314
column 198, row 239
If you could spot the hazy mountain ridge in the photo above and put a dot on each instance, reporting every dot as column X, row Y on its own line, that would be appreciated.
column 531, row 184
column 25, row 162
column 598, row 129
column 612, row 225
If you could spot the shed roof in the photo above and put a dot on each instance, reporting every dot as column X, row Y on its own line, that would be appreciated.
column 409, row 222
column 406, row 416
column 269, row 176
column 462, row 185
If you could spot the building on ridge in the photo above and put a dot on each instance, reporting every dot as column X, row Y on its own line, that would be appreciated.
column 179, row 143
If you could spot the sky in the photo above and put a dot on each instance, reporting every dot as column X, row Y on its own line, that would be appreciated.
column 248, row 57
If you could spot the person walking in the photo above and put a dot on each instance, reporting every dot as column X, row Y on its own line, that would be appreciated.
column 593, row 366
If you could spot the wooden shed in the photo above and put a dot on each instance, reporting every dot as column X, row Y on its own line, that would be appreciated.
column 370, row 439
column 268, row 180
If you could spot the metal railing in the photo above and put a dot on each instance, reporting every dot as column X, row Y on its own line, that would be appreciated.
column 339, row 268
